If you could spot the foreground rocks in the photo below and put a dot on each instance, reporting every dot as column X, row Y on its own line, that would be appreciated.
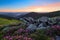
column 33, row 29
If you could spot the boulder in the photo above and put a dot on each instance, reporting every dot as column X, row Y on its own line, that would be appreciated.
column 57, row 37
column 31, row 27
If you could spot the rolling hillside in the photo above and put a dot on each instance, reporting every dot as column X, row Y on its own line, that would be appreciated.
column 37, row 15
column 26, row 14
column 4, row 21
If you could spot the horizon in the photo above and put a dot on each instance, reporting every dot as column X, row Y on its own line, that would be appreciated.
column 29, row 5
column 30, row 12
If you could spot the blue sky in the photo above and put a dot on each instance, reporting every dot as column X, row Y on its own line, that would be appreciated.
column 17, row 4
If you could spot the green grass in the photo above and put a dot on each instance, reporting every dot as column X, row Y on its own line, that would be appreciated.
column 4, row 21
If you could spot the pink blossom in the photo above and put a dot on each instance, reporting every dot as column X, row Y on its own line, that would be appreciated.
column 11, row 38
column 26, row 31
column 56, row 27
column 25, row 38
column 29, row 38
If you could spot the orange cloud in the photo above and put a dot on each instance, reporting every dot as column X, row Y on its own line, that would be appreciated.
column 43, row 8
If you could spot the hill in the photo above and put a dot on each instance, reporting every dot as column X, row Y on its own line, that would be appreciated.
column 37, row 15
column 11, row 15
column 19, row 15
column 4, row 21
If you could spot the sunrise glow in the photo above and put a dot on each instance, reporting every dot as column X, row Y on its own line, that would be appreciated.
column 30, row 6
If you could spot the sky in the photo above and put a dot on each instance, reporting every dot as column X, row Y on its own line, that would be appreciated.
column 29, row 5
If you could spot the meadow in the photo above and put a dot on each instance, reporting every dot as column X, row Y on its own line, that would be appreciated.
column 4, row 21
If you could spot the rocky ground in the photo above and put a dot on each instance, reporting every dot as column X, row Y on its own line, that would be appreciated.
column 43, row 28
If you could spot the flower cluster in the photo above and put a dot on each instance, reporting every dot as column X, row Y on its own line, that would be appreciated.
column 54, row 30
column 20, row 37
column 56, row 27
column 20, row 34
column 21, row 31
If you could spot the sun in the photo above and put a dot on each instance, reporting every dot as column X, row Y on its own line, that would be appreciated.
column 38, row 10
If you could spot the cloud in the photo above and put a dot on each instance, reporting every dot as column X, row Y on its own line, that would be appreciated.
column 43, row 8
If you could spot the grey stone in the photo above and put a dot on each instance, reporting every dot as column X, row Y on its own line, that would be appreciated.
column 57, row 37
column 31, row 27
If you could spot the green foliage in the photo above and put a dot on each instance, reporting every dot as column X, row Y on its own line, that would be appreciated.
column 4, row 21
column 40, row 35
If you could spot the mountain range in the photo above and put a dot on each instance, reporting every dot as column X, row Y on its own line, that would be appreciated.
column 17, row 15
column 47, row 14
column 11, row 15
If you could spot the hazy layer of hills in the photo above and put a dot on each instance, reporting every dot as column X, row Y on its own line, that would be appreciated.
column 11, row 15
column 18, row 15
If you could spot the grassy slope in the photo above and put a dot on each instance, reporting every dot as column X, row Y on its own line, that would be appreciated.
column 4, row 21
